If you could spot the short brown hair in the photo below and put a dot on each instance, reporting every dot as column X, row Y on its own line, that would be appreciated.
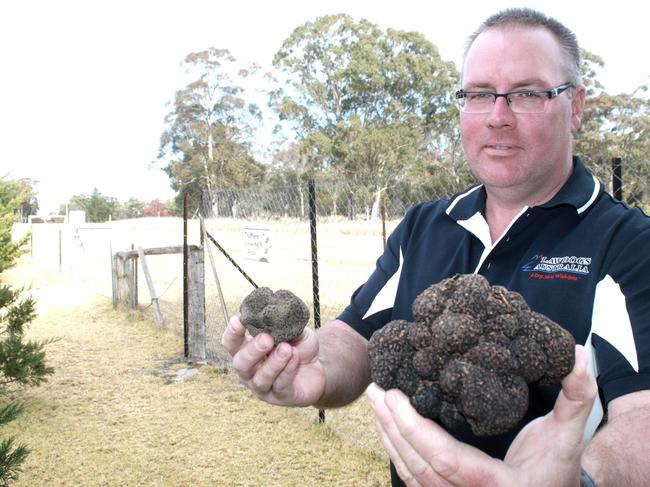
column 527, row 17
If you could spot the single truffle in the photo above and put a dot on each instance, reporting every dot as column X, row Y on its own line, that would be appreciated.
column 470, row 354
column 282, row 314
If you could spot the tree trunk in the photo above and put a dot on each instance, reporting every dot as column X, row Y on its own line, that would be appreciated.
column 206, row 208
column 374, row 213
column 352, row 211
column 302, row 203
column 235, row 209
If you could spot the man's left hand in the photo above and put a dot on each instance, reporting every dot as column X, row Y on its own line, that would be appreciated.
column 546, row 452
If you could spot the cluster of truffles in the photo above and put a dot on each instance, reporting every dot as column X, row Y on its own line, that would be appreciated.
column 282, row 314
column 470, row 354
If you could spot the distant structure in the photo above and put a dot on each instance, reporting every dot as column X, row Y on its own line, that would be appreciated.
column 76, row 217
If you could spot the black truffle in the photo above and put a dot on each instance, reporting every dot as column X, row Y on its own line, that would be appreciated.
column 470, row 354
column 282, row 314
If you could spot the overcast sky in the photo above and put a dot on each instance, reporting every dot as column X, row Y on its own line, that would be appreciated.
column 83, row 84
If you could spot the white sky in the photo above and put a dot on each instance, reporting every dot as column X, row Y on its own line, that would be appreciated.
column 83, row 84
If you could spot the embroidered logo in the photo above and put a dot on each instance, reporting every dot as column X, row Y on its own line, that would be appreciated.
column 570, row 268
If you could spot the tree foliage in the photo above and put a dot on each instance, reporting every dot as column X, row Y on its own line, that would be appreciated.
column 98, row 208
column 132, row 208
column 26, row 188
column 365, row 104
column 22, row 362
column 12, row 195
column 207, row 139
column 615, row 126
column 155, row 208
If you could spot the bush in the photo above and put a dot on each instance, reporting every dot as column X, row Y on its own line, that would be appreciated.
column 22, row 362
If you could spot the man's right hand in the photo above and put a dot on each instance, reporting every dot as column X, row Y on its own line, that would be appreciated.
column 286, row 374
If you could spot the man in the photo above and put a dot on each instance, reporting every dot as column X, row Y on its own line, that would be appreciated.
column 539, row 224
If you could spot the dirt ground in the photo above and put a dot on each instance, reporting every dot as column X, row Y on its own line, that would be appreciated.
column 112, row 415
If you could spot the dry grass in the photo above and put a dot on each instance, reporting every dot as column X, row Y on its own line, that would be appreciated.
column 110, row 416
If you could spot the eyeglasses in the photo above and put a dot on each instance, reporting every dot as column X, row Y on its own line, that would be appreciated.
column 521, row 101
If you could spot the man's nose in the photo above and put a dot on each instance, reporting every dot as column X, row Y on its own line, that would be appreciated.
column 501, row 114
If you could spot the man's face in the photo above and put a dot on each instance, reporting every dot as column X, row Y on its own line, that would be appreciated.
column 526, row 153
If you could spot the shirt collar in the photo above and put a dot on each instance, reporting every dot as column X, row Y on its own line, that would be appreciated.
column 464, row 205
column 580, row 191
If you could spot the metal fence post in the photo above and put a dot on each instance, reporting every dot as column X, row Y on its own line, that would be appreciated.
column 383, row 219
column 314, row 265
column 617, row 178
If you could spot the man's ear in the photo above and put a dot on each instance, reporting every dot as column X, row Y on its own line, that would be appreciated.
column 577, row 107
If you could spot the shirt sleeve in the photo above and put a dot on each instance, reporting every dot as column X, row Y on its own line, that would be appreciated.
column 371, row 304
column 621, row 316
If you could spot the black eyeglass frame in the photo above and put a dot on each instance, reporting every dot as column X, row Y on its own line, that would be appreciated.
column 552, row 93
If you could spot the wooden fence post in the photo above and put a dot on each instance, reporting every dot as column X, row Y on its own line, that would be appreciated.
column 152, row 290
column 121, row 282
column 126, row 292
column 196, row 305
column 124, row 272
column 130, row 277
column 113, row 276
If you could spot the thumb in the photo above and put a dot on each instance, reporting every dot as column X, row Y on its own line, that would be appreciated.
column 579, row 390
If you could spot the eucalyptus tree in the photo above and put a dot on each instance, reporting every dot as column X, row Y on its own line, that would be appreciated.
column 365, row 103
column 616, row 126
column 207, row 140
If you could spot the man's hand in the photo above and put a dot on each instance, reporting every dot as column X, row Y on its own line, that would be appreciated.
column 286, row 375
column 545, row 453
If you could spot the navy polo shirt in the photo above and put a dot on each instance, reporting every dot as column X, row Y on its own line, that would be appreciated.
column 581, row 259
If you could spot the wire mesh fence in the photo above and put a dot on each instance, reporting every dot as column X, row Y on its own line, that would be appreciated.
column 265, row 231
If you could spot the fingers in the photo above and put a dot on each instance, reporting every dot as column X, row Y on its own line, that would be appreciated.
column 579, row 390
column 409, row 439
column 284, row 380
column 428, row 438
column 387, row 430
column 270, row 369
column 448, row 461
column 251, row 352
column 425, row 451
column 260, row 367
column 307, row 345
column 286, row 374
column 234, row 336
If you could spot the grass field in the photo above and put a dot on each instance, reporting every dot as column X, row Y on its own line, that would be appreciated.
column 347, row 251
column 112, row 415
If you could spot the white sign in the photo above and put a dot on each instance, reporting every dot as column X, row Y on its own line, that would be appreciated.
column 77, row 217
column 257, row 243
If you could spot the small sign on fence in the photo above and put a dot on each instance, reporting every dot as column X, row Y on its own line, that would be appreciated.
column 257, row 243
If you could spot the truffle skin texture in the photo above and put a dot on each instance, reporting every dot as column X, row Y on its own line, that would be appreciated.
column 282, row 314
column 427, row 401
column 470, row 354
column 387, row 352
